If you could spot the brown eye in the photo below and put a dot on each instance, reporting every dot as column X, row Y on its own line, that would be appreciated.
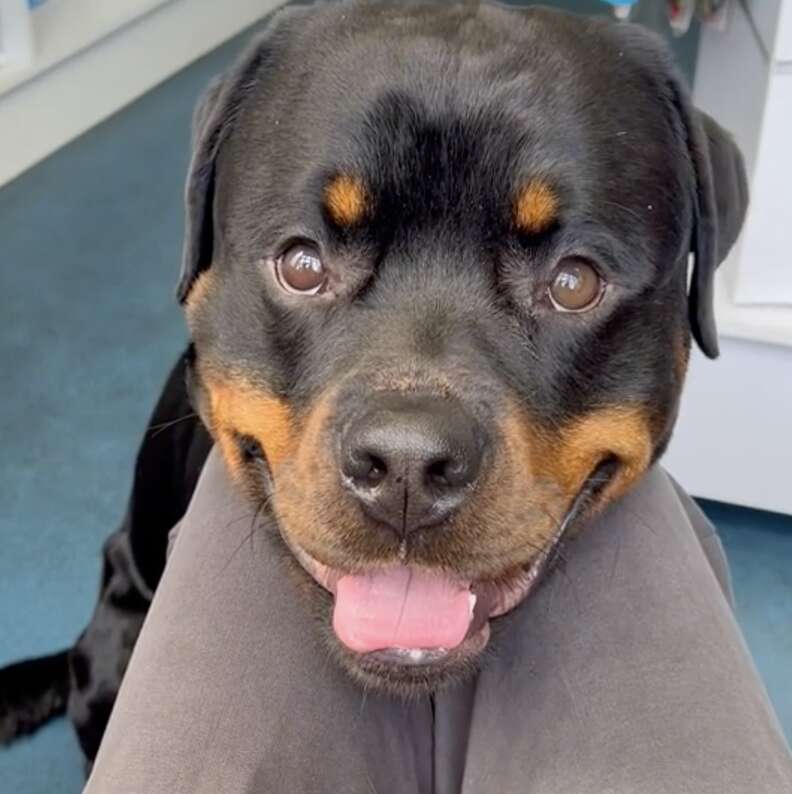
column 576, row 286
column 301, row 270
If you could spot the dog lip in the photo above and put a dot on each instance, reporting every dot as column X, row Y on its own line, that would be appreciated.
column 501, row 596
column 493, row 598
column 413, row 657
column 322, row 574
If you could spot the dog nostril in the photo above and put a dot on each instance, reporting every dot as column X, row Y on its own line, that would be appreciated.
column 437, row 473
column 450, row 473
column 365, row 468
column 377, row 470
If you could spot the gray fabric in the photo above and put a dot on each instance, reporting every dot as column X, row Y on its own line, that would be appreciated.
column 625, row 673
column 710, row 542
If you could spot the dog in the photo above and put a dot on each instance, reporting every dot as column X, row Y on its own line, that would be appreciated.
column 437, row 280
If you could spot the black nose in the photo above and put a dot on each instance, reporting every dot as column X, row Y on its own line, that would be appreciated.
column 411, row 461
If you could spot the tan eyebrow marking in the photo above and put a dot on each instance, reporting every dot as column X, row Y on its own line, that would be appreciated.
column 536, row 207
column 346, row 200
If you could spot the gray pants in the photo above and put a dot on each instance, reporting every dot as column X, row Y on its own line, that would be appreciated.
column 625, row 673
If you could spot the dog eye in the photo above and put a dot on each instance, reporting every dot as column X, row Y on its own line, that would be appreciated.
column 576, row 286
column 300, row 270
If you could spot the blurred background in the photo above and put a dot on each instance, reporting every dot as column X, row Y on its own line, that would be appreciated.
column 95, row 106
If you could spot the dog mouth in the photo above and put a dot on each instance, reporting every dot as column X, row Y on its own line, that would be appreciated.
column 408, row 615
column 414, row 617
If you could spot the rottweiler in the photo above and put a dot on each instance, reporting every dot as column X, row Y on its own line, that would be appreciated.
column 442, row 268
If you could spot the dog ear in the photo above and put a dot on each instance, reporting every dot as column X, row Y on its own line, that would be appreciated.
column 720, row 207
column 213, row 121
column 721, row 188
column 199, row 193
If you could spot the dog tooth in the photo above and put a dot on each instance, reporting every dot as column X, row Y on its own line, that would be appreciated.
column 472, row 598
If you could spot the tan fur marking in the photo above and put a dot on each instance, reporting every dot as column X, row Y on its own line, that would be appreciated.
column 536, row 207
column 346, row 200
column 238, row 407
column 199, row 292
column 568, row 455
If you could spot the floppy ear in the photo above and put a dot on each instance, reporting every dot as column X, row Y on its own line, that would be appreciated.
column 721, row 203
column 199, row 194
column 213, row 120
column 721, row 187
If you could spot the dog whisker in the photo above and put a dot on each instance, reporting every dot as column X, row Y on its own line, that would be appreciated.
column 561, row 567
column 248, row 538
column 160, row 428
column 363, row 698
column 241, row 543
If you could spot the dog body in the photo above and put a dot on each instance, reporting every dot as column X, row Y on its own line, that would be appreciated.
column 436, row 280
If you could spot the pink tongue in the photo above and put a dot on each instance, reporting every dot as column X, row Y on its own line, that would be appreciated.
column 400, row 608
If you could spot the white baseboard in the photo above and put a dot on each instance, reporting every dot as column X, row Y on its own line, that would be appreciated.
column 46, row 111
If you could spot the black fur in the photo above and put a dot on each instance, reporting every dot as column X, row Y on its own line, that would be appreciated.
column 32, row 692
column 442, row 110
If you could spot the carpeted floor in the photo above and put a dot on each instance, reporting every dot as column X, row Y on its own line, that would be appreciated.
column 89, row 246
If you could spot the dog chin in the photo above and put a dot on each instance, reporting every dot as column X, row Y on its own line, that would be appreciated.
column 410, row 673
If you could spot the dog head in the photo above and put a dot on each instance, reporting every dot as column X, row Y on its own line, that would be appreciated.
column 436, row 277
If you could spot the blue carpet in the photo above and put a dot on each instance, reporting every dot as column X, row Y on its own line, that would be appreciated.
column 91, row 241
column 759, row 547
column 90, row 245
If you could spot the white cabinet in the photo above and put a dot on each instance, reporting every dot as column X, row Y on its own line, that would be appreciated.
column 734, row 437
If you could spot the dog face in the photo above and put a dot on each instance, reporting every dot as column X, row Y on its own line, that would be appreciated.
column 436, row 280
